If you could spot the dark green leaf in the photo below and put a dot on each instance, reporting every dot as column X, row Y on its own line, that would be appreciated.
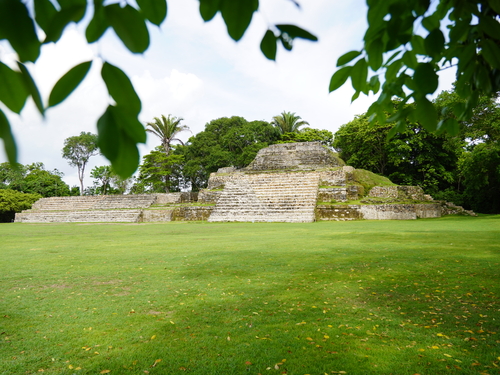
column 431, row 23
column 347, row 57
column 30, row 85
column 296, row 32
column 392, row 57
column 359, row 75
column 130, row 124
column 154, row 10
column 398, row 128
column 375, row 84
column 491, row 52
column 490, row 26
column 237, row 15
column 286, row 41
column 209, row 8
column 72, row 12
column 268, row 45
column 482, row 79
column 9, row 142
column 495, row 5
column 44, row 13
column 116, row 145
column 13, row 92
column 417, row 43
column 458, row 31
column 355, row 96
column 108, row 132
column 425, row 78
column 410, row 59
column 130, row 27
column 97, row 25
column 450, row 125
column 426, row 114
column 434, row 43
column 393, row 70
column 18, row 28
column 120, row 88
column 68, row 83
column 374, row 50
column 339, row 78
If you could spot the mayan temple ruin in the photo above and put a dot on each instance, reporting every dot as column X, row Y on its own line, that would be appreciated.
column 291, row 182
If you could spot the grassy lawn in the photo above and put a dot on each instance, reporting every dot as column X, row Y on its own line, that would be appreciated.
column 364, row 297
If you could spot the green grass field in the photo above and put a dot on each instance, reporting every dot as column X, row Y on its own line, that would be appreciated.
column 363, row 297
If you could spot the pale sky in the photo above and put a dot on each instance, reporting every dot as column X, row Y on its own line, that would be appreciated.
column 194, row 70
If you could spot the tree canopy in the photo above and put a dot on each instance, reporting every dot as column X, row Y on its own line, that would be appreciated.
column 225, row 142
column 166, row 128
column 406, row 44
column 78, row 150
column 33, row 178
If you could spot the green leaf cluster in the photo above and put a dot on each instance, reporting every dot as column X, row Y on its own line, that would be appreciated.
column 408, row 43
column 12, row 201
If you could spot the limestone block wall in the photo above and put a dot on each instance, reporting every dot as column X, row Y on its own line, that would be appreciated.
column 157, row 215
column 66, row 203
column 175, row 198
column 340, row 194
column 398, row 192
column 126, row 216
column 209, row 196
column 282, row 197
column 378, row 211
column 302, row 156
column 192, row 213
column 218, row 180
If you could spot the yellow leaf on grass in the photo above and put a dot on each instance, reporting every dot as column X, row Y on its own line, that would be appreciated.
column 447, row 355
column 308, row 338
column 153, row 337
column 435, row 347
column 105, row 372
column 70, row 367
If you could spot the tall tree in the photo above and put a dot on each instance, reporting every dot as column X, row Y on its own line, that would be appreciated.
column 225, row 142
column 78, row 150
column 159, row 173
column 288, row 122
column 167, row 128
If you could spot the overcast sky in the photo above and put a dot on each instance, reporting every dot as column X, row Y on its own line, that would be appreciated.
column 195, row 71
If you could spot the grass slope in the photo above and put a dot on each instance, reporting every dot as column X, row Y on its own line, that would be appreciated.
column 363, row 297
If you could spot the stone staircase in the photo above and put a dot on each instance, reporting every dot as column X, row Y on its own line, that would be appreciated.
column 282, row 197
column 126, row 216
column 107, row 208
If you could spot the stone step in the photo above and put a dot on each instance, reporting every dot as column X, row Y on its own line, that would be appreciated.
column 130, row 216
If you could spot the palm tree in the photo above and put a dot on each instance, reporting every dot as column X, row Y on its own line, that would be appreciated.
column 288, row 122
column 166, row 128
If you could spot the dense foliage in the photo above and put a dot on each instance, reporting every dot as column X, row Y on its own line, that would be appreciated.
column 225, row 142
column 461, row 168
column 34, row 178
column 12, row 201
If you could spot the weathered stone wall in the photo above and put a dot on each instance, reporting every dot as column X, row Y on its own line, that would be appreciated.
column 302, row 156
column 192, row 213
column 378, row 211
column 340, row 194
column 218, row 180
column 338, row 212
column 398, row 192
column 157, row 215
column 174, row 198
column 209, row 196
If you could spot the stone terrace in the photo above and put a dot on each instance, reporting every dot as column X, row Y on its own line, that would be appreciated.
column 107, row 208
column 284, row 197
